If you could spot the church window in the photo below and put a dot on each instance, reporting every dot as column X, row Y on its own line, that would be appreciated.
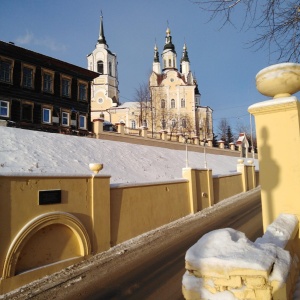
column 182, row 103
column 183, row 123
column 172, row 103
column 163, row 103
column 109, row 69
column 100, row 67
column 165, row 63
column 170, row 63
column 133, row 124
column 173, row 123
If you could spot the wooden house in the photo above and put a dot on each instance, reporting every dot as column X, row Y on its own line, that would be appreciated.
column 43, row 93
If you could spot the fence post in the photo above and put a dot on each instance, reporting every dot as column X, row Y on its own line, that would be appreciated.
column 98, row 127
column 190, row 175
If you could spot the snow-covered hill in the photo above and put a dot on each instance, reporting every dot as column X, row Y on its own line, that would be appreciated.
column 26, row 151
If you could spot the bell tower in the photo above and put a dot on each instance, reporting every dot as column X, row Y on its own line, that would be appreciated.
column 105, row 92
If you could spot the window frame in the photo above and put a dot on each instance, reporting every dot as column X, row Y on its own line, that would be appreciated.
column 100, row 63
column 85, row 122
column 182, row 103
column 80, row 84
column 65, row 117
column 163, row 103
column 33, row 69
column 7, row 108
column 69, row 80
column 27, row 104
column 133, row 124
column 46, row 72
column 10, row 71
column 50, row 114
column 173, row 103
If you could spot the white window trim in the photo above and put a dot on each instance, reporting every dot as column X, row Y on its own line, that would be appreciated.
column 85, row 123
column 50, row 115
column 62, row 118
column 8, row 109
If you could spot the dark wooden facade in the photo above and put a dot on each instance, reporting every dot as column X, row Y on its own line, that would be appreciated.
column 42, row 93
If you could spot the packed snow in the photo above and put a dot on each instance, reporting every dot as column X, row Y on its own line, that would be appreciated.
column 228, row 249
column 25, row 151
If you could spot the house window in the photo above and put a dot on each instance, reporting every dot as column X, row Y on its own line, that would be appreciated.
column 183, row 123
column 133, row 124
column 27, row 78
column 66, row 87
column 182, row 103
column 163, row 103
column 4, row 108
column 82, row 91
column 47, row 82
column 27, row 112
column 6, row 71
column 65, row 117
column 109, row 69
column 82, row 122
column 172, row 103
column 47, row 114
column 100, row 66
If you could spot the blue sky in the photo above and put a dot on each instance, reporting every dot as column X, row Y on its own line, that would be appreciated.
column 68, row 30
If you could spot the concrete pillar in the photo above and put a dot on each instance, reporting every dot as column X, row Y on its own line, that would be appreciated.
column 221, row 144
column 196, row 140
column 121, row 128
column 144, row 132
column 98, row 127
column 100, row 213
column 164, row 135
column 277, row 121
column 232, row 146
column 190, row 175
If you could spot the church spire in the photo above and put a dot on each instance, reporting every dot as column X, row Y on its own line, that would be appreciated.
column 101, row 39
column 185, row 56
column 156, row 55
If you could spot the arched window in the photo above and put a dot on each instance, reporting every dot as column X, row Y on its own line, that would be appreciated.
column 163, row 103
column 109, row 69
column 163, row 124
column 183, row 123
column 133, row 124
column 100, row 66
column 172, row 103
column 182, row 102
column 170, row 63
column 173, row 123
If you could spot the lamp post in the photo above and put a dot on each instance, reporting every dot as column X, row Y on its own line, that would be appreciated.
column 186, row 136
column 205, row 162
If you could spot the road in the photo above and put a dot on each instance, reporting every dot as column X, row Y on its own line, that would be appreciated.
column 150, row 266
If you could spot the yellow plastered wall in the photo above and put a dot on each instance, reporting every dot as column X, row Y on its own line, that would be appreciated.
column 277, row 125
column 140, row 208
column 49, row 237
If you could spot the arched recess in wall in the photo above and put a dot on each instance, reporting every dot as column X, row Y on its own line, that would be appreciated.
column 59, row 236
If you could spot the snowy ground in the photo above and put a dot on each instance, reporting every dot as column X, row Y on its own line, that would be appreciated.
column 26, row 151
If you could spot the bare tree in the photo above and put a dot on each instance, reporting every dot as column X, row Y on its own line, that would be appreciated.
column 222, row 129
column 276, row 21
column 142, row 96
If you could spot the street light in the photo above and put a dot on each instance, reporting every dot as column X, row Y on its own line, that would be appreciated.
column 186, row 136
column 205, row 162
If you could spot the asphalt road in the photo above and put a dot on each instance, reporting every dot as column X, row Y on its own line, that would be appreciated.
column 160, row 277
